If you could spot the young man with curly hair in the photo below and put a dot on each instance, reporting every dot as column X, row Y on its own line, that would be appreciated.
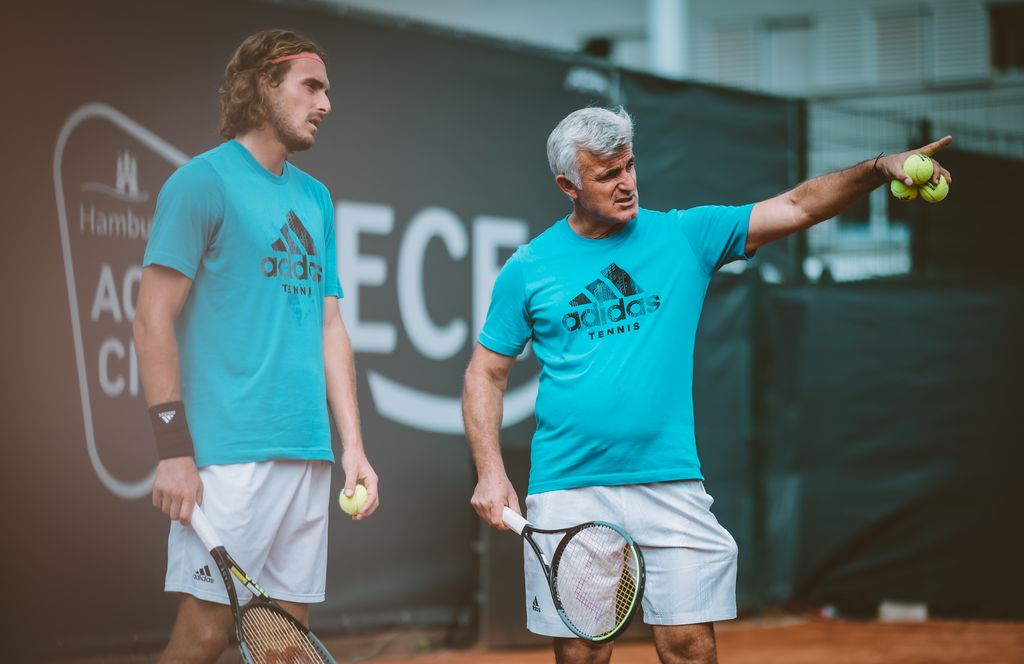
column 242, row 349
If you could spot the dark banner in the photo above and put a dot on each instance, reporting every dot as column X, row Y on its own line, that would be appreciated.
column 892, row 447
column 434, row 154
column 973, row 232
column 698, row 145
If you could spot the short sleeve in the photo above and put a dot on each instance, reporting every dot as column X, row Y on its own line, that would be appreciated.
column 332, row 282
column 507, row 327
column 717, row 234
column 189, row 212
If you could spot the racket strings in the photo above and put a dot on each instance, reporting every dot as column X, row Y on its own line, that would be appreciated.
column 596, row 580
column 273, row 638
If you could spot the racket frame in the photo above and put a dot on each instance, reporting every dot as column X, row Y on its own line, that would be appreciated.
column 230, row 568
column 524, row 528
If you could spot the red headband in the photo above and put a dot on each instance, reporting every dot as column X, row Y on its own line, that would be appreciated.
column 297, row 56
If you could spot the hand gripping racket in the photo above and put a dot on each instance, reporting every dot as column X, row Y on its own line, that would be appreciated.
column 596, row 575
column 267, row 634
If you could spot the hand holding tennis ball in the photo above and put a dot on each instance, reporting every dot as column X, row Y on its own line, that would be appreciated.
column 919, row 167
column 934, row 193
column 902, row 192
column 911, row 173
column 352, row 504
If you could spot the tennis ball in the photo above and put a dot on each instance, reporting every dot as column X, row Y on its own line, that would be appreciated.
column 901, row 191
column 919, row 167
column 933, row 193
column 351, row 504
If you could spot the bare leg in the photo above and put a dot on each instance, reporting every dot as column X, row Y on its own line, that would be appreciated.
column 200, row 631
column 299, row 611
column 578, row 651
column 686, row 644
column 202, row 628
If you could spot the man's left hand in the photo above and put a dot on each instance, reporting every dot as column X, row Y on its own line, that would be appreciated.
column 891, row 166
column 358, row 471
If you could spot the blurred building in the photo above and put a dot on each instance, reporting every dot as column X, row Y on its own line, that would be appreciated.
column 877, row 75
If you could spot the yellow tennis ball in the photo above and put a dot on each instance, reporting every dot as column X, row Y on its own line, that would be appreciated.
column 919, row 167
column 351, row 504
column 901, row 191
column 933, row 193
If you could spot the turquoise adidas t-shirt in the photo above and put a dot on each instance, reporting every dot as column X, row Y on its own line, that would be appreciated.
column 613, row 323
column 260, row 250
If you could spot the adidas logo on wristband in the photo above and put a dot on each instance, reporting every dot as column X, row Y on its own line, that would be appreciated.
column 170, row 428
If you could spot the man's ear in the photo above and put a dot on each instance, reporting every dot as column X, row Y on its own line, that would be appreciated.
column 567, row 186
column 266, row 81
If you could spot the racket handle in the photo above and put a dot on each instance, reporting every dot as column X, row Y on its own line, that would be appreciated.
column 513, row 520
column 202, row 526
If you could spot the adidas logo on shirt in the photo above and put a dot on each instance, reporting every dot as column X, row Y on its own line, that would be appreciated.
column 295, row 250
column 536, row 604
column 203, row 574
column 609, row 305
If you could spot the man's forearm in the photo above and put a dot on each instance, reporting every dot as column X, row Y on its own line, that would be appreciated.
column 159, row 369
column 340, row 373
column 162, row 295
column 481, row 415
column 157, row 351
column 809, row 203
column 827, row 195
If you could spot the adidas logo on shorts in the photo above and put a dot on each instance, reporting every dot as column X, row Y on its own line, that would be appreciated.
column 203, row 574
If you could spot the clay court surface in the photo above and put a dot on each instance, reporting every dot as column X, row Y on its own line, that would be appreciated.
column 805, row 642
column 782, row 641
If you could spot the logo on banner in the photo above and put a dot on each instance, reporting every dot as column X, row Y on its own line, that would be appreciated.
column 105, row 167
column 126, row 182
column 424, row 399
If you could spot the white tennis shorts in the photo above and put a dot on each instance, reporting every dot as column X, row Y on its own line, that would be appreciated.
column 272, row 518
column 690, row 558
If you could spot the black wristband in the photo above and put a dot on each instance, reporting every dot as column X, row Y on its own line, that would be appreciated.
column 170, row 428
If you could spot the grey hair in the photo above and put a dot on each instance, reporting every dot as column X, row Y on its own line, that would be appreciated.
column 602, row 131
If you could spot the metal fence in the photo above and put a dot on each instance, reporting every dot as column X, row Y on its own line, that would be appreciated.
column 872, row 238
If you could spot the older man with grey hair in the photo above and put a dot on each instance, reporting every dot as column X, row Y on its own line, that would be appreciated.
column 611, row 295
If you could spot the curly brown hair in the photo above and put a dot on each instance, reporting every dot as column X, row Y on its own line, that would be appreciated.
column 243, row 101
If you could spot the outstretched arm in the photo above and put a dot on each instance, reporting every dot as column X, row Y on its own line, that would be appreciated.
column 482, row 393
column 826, row 196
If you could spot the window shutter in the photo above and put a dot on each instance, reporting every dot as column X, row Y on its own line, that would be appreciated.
column 900, row 46
column 961, row 42
column 734, row 55
column 842, row 51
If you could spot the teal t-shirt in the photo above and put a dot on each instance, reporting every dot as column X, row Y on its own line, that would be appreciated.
column 261, row 253
column 613, row 323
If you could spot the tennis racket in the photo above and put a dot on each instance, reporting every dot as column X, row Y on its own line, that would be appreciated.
column 596, row 575
column 267, row 634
